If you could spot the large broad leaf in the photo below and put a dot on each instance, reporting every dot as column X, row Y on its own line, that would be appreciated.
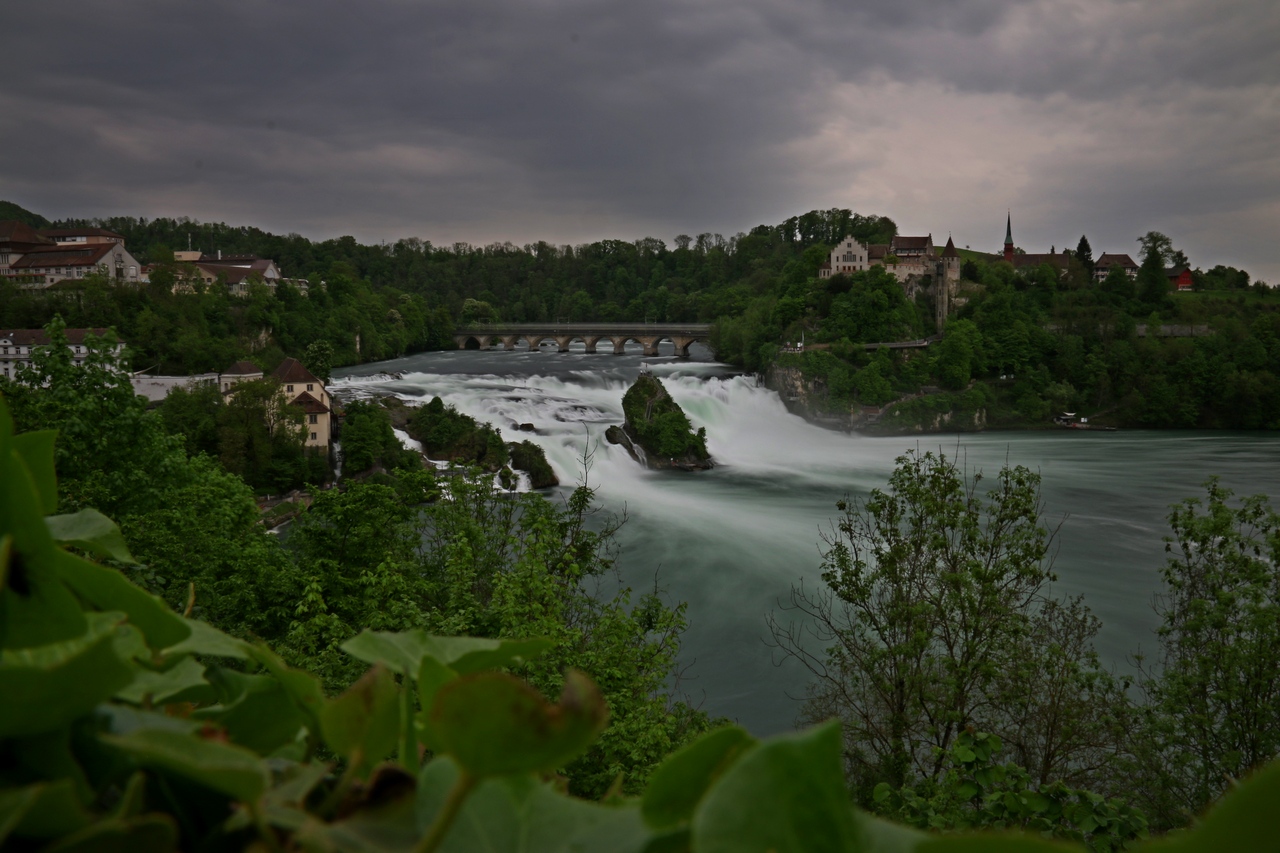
column 1244, row 819
column 363, row 724
column 260, row 714
column 92, row 531
column 403, row 651
column 56, row 810
column 432, row 677
column 14, row 805
column 35, row 607
column 150, row 833
column 303, row 687
column 46, row 687
column 677, row 785
column 222, row 767
column 35, row 449
column 107, row 589
column 520, row 815
column 182, row 682
column 207, row 640
column 788, row 794
column 494, row 724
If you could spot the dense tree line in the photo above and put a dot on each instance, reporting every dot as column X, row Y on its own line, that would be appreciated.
column 1028, row 344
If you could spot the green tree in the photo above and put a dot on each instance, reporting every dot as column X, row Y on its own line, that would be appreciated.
column 111, row 453
column 936, row 619
column 261, row 437
column 1084, row 253
column 318, row 358
column 1213, row 698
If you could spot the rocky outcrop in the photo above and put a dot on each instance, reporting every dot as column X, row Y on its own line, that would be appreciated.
column 656, row 431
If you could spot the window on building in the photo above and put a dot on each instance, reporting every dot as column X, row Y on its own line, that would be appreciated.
column 315, row 419
column 313, row 436
column 308, row 386
column 288, row 389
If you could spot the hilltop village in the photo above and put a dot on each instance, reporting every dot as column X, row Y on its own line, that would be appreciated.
column 856, row 325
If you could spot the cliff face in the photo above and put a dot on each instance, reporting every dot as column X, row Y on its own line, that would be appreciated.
column 656, row 431
column 926, row 412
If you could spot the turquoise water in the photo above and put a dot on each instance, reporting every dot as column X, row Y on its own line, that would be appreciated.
column 732, row 541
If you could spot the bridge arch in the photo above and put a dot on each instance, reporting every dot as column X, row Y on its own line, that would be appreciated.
column 648, row 335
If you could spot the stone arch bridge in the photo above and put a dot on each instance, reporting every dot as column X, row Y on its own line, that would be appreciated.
column 648, row 335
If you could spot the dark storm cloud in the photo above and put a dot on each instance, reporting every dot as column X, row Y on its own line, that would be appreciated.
column 569, row 120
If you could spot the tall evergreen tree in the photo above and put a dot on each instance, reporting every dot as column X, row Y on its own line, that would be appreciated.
column 1084, row 253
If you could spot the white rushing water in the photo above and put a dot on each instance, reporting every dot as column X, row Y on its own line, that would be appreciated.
column 732, row 541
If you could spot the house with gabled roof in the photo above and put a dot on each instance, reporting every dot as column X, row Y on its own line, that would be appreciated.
column 301, row 388
column 40, row 258
column 1103, row 265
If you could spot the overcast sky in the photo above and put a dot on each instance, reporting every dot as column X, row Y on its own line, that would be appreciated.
column 574, row 120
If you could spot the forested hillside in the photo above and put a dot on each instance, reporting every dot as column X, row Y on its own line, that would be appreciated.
column 1020, row 345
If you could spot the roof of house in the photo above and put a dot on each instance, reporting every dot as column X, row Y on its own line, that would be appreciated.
column 1107, row 260
column 912, row 242
column 64, row 256
column 236, row 271
column 13, row 231
column 1175, row 272
column 38, row 338
column 309, row 404
column 876, row 251
column 291, row 370
column 1053, row 259
column 243, row 368
column 229, row 260
column 55, row 233
column 950, row 250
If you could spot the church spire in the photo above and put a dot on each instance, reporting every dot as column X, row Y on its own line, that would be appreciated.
column 1008, row 238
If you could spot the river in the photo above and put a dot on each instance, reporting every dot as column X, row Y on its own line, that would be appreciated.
column 733, row 540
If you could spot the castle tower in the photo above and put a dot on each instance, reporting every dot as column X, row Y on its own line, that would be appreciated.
column 1008, row 239
column 948, row 277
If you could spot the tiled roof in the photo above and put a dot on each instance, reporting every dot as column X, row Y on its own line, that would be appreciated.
column 1054, row 259
column 309, row 404
column 875, row 251
column 64, row 256
column 243, row 368
column 13, row 231
column 912, row 242
column 950, row 251
column 291, row 370
column 1106, row 260
column 38, row 338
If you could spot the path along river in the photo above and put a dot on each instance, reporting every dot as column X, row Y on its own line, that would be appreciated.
column 732, row 541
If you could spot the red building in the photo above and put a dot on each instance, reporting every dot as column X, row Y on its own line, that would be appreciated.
column 1180, row 277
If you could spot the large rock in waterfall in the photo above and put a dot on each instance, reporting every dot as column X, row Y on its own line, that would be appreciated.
column 656, row 431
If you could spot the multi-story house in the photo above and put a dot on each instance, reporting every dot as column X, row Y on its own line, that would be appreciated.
column 18, row 345
column 40, row 258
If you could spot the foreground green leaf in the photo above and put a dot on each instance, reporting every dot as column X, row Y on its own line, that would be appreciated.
column 520, row 815
column 35, row 449
column 363, row 724
column 92, row 531
column 678, row 784
column 494, row 724
column 46, row 687
column 403, row 651
column 223, row 767
column 788, row 794
column 107, row 589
